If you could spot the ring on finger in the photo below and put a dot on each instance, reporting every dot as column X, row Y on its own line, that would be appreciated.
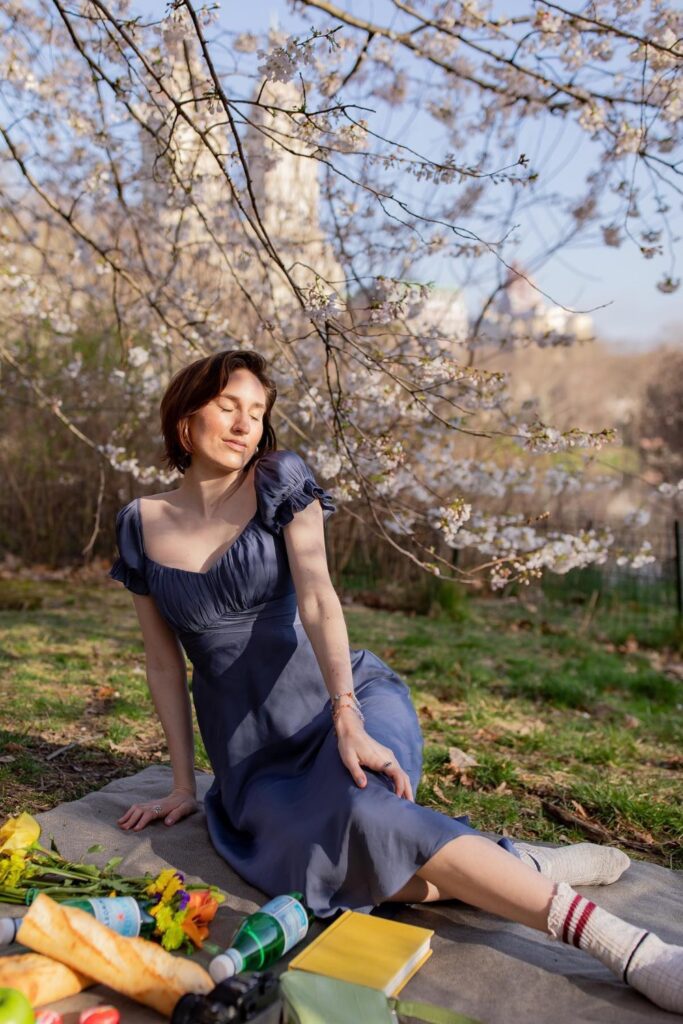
column 156, row 810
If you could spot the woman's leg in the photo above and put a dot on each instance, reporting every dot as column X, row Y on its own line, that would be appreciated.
column 479, row 872
column 578, row 864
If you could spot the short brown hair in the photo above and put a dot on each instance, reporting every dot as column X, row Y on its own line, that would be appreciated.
column 199, row 383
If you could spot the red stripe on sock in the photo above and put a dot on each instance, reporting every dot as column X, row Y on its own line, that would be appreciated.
column 583, row 921
column 568, row 919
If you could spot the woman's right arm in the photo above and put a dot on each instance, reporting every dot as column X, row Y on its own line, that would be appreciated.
column 167, row 681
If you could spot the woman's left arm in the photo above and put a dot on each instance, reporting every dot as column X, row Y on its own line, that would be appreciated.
column 323, row 619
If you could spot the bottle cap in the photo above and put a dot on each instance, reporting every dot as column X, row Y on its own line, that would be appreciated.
column 8, row 930
column 222, row 967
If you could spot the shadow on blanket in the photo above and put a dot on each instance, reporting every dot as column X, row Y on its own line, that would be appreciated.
column 482, row 966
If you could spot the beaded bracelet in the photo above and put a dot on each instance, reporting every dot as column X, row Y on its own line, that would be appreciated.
column 336, row 711
column 350, row 701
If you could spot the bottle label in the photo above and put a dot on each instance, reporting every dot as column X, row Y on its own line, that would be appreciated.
column 291, row 917
column 120, row 913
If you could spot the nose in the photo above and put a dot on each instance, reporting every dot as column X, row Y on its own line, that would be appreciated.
column 242, row 422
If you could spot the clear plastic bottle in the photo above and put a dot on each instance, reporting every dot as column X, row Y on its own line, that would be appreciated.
column 264, row 937
column 123, row 914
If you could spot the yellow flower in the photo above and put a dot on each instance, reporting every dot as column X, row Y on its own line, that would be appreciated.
column 163, row 916
column 12, row 869
column 19, row 833
column 166, row 885
column 173, row 937
column 169, row 925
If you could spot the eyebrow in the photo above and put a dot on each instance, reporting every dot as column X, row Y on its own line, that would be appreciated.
column 236, row 398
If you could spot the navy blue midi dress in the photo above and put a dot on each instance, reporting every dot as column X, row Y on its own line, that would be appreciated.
column 283, row 809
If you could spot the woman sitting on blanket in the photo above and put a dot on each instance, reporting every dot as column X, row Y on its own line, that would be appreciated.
column 315, row 748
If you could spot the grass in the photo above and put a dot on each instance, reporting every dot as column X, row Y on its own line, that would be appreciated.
column 575, row 735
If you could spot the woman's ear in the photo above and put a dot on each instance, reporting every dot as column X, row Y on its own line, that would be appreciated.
column 184, row 434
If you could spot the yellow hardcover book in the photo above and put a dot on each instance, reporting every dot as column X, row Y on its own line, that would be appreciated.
column 367, row 950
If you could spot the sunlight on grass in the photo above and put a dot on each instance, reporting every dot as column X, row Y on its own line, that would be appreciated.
column 552, row 717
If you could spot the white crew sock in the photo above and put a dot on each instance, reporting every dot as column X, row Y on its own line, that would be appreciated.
column 579, row 864
column 649, row 965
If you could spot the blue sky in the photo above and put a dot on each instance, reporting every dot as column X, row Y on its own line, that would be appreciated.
column 638, row 316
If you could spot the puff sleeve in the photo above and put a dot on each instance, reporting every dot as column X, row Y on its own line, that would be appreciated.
column 285, row 485
column 129, row 568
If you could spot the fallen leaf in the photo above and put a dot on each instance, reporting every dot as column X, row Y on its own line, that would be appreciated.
column 459, row 761
column 486, row 733
column 440, row 793
column 580, row 810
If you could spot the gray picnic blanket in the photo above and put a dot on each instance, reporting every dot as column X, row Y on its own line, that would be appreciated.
column 496, row 972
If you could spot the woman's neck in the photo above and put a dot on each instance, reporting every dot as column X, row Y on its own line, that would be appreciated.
column 205, row 491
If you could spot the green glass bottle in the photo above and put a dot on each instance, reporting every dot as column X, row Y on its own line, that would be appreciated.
column 123, row 914
column 264, row 937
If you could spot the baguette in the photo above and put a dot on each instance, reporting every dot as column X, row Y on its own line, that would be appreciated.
column 134, row 967
column 40, row 978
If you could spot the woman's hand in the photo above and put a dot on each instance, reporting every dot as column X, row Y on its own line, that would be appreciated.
column 170, row 809
column 358, row 750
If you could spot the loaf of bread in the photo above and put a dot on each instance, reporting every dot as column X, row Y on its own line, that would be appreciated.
column 40, row 978
column 135, row 967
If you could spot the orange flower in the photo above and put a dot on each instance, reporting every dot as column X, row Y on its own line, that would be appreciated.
column 201, row 909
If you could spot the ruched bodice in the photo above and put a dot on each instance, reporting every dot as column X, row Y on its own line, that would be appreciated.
column 283, row 810
column 252, row 571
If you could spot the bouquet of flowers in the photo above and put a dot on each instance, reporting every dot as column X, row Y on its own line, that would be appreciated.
column 182, row 911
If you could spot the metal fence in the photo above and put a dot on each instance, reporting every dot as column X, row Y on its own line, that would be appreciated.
column 645, row 603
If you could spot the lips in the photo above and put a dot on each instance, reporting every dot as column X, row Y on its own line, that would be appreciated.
column 237, row 445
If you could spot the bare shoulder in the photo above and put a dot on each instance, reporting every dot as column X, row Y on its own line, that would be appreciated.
column 163, row 496
column 158, row 506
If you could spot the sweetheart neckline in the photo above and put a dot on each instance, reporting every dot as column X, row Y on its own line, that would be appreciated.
column 189, row 572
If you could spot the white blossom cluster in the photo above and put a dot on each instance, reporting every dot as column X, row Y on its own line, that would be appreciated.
column 448, row 519
column 148, row 230
column 393, row 299
column 638, row 559
column 325, row 461
column 671, row 490
column 638, row 518
column 379, row 459
column 137, row 356
column 499, row 535
column 321, row 305
column 281, row 63
column 118, row 459
column 537, row 437
column 559, row 553
column 308, row 405
column 486, row 479
column 351, row 138
column 441, row 369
